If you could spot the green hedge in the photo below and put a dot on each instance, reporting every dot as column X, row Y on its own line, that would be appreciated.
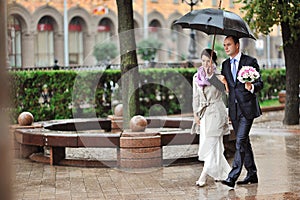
column 274, row 82
column 89, row 93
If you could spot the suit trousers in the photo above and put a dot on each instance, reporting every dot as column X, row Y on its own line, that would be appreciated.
column 243, row 154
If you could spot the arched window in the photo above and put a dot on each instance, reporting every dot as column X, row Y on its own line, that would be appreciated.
column 75, row 41
column 105, row 30
column 153, row 28
column 44, row 44
column 14, row 41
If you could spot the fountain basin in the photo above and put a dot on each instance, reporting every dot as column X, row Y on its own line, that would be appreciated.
column 133, row 149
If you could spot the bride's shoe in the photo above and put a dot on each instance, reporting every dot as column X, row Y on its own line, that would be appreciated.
column 200, row 183
column 202, row 180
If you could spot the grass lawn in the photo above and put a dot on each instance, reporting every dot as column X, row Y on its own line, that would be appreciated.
column 270, row 102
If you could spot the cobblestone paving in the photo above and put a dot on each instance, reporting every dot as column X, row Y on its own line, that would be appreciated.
column 273, row 120
column 277, row 154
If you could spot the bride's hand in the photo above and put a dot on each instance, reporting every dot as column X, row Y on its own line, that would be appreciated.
column 208, row 71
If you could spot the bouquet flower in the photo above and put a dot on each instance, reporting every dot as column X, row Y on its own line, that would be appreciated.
column 248, row 74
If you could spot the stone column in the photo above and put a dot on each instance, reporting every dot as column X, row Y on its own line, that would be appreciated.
column 162, row 53
column 59, row 48
column 28, row 57
column 140, row 150
column 88, row 46
column 117, row 119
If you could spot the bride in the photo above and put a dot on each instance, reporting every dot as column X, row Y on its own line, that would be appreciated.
column 210, row 121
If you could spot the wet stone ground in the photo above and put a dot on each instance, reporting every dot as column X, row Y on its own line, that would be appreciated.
column 277, row 155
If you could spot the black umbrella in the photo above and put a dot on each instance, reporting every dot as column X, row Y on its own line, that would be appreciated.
column 216, row 21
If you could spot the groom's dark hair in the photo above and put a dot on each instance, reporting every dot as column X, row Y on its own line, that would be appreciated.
column 234, row 38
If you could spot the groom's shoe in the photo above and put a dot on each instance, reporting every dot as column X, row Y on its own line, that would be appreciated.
column 229, row 182
column 248, row 180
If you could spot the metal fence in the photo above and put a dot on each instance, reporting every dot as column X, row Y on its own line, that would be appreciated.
column 105, row 66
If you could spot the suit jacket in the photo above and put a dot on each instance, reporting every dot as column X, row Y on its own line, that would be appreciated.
column 247, row 101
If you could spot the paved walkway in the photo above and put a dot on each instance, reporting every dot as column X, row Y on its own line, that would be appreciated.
column 277, row 154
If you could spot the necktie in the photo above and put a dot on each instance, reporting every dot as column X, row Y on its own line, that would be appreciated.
column 233, row 71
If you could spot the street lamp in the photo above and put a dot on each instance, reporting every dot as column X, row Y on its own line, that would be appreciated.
column 192, row 45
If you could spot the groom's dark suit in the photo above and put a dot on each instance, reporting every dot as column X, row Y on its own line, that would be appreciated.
column 243, row 108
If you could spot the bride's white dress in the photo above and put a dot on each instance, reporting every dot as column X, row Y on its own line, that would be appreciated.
column 211, row 151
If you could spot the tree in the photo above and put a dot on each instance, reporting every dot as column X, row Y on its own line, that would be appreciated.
column 6, row 161
column 262, row 16
column 105, row 51
column 147, row 48
column 129, row 64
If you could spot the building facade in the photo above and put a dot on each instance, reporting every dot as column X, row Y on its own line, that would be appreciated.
column 36, row 30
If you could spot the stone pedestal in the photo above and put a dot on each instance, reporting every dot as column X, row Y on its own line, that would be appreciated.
column 21, row 150
column 282, row 96
column 140, row 150
column 57, row 154
column 116, row 123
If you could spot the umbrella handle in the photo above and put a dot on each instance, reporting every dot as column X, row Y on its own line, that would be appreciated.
column 214, row 39
column 213, row 49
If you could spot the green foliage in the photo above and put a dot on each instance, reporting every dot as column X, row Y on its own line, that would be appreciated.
column 89, row 93
column 270, row 102
column 105, row 51
column 26, row 91
column 263, row 15
column 169, row 87
column 147, row 48
column 273, row 83
column 221, row 54
column 73, row 94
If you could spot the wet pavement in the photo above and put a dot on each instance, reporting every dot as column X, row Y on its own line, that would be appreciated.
column 277, row 155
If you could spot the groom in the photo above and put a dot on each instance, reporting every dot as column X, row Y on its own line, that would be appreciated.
column 243, row 108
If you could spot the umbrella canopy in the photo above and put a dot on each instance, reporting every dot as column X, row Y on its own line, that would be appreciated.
column 216, row 21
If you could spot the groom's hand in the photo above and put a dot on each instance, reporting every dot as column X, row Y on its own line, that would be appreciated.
column 248, row 86
column 224, row 81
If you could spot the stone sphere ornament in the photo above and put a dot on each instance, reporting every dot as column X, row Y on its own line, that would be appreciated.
column 118, row 111
column 25, row 119
column 138, row 123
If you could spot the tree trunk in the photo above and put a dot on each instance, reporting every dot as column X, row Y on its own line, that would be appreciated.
column 5, row 147
column 129, row 64
column 292, row 63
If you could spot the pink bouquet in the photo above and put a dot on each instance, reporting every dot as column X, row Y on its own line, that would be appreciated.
column 247, row 74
